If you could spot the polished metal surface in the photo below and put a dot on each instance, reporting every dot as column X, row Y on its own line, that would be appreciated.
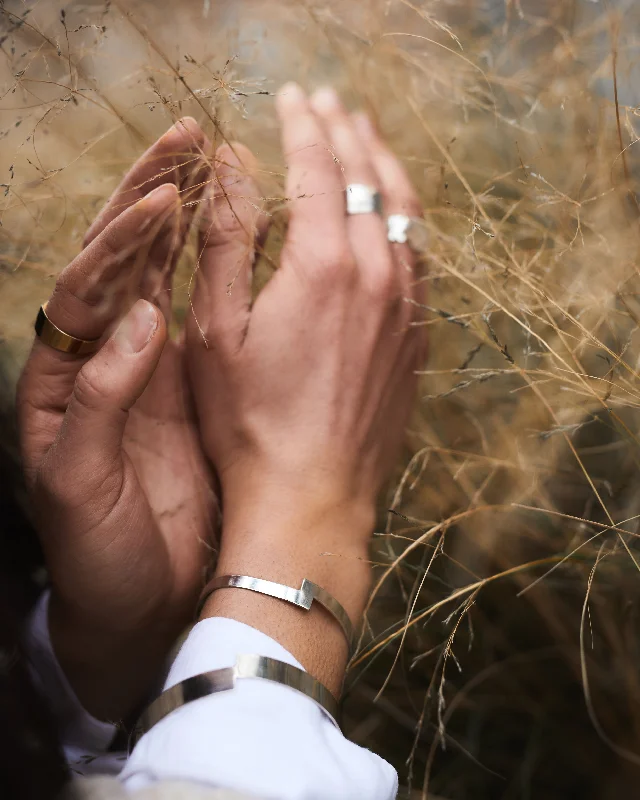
column 52, row 336
column 407, row 230
column 222, row 680
column 397, row 227
column 302, row 597
column 362, row 199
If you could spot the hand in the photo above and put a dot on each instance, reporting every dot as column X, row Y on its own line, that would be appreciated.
column 313, row 384
column 121, row 488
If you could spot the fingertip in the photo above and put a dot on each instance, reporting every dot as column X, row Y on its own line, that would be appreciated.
column 189, row 127
column 188, row 123
column 290, row 96
column 160, row 198
column 183, row 134
column 326, row 100
column 146, row 308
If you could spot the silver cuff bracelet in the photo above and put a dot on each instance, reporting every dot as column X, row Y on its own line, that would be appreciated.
column 302, row 597
column 221, row 680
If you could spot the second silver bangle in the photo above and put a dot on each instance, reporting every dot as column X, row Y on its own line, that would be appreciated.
column 222, row 680
column 302, row 597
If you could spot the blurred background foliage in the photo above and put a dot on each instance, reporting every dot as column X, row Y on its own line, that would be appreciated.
column 500, row 658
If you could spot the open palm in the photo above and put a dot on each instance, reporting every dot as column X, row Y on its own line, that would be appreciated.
column 162, row 441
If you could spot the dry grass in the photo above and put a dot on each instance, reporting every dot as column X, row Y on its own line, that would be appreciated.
column 502, row 655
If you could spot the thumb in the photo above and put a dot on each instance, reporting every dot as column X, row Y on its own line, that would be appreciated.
column 107, row 386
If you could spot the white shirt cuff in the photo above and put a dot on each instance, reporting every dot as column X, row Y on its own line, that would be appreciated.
column 85, row 739
column 261, row 738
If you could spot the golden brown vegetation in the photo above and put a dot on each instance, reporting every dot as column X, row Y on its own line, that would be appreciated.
column 501, row 658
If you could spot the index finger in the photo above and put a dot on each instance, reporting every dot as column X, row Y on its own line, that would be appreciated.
column 90, row 295
column 178, row 157
column 315, row 184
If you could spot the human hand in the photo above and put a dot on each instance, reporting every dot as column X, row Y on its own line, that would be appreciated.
column 313, row 384
column 122, row 492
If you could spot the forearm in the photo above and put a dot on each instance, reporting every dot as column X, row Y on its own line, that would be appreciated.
column 277, row 540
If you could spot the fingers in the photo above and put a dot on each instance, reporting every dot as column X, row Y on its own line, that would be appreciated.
column 398, row 194
column 315, row 184
column 89, row 446
column 367, row 232
column 399, row 197
column 178, row 157
column 232, row 222
column 89, row 297
column 90, row 292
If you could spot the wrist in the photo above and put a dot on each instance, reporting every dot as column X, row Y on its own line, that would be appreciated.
column 284, row 507
column 287, row 538
column 287, row 557
column 281, row 539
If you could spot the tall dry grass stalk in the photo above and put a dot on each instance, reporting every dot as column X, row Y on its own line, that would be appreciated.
column 501, row 655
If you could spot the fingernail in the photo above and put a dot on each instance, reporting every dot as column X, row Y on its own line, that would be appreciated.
column 183, row 125
column 363, row 124
column 160, row 197
column 137, row 328
column 326, row 99
column 189, row 127
column 291, row 93
column 186, row 122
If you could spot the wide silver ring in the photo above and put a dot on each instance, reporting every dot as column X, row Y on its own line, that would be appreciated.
column 363, row 199
column 407, row 230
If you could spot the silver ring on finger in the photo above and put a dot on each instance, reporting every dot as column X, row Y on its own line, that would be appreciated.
column 407, row 230
column 363, row 199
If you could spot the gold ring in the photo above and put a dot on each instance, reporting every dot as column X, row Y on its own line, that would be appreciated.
column 51, row 335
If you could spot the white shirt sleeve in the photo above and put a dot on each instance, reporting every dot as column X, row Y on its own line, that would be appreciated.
column 260, row 738
column 85, row 739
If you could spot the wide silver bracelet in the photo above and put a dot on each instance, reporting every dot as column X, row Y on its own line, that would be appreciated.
column 221, row 680
column 302, row 597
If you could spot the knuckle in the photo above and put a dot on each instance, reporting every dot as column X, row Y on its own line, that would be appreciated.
column 336, row 259
column 316, row 155
column 88, row 391
column 230, row 218
column 383, row 282
column 234, row 220
column 217, row 340
column 110, row 245
column 74, row 291
column 414, row 206
column 217, row 335
column 65, row 292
